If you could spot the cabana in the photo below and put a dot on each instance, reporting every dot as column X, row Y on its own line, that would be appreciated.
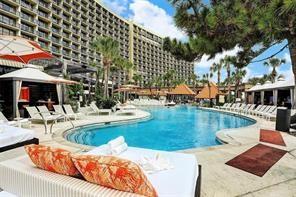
column 279, row 93
column 25, row 75
column 181, row 92
column 209, row 92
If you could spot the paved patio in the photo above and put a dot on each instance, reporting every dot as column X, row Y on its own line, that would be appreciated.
column 218, row 179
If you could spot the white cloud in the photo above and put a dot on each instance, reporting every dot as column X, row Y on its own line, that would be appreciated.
column 118, row 6
column 154, row 18
column 205, row 63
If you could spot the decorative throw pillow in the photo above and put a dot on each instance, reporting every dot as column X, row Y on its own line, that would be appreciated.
column 114, row 173
column 52, row 159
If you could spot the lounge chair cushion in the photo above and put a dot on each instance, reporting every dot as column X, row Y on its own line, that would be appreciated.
column 52, row 159
column 114, row 172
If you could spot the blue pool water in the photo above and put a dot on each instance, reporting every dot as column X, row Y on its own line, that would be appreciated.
column 170, row 129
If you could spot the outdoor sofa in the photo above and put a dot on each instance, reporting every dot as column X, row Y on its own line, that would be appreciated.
column 14, row 137
column 19, row 176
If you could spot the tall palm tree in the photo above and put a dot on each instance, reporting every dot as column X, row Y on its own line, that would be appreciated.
column 274, row 63
column 127, row 68
column 238, row 76
column 109, row 49
column 169, row 77
column 216, row 67
column 227, row 61
column 98, row 76
column 207, row 78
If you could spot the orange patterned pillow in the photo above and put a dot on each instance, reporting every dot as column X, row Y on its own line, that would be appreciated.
column 114, row 173
column 52, row 159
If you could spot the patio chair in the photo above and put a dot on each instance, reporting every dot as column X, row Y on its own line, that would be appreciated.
column 268, row 111
column 257, row 109
column 94, row 107
column 46, row 113
column 243, row 107
column 264, row 110
column 59, row 109
column 271, row 115
column 238, row 109
column 234, row 106
column 247, row 110
column 220, row 107
column 69, row 112
column 225, row 106
column 18, row 123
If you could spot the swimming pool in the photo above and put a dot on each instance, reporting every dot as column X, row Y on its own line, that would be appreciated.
column 176, row 128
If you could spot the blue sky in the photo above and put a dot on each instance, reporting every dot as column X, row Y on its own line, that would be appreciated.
column 157, row 15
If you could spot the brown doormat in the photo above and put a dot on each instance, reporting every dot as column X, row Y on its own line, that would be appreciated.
column 273, row 137
column 258, row 159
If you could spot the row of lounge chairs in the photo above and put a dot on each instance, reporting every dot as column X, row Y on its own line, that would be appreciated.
column 265, row 111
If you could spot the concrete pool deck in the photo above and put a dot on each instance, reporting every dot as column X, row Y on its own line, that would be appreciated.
column 218, row 179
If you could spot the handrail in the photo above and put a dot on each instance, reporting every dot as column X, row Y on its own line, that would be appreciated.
column 66, row 118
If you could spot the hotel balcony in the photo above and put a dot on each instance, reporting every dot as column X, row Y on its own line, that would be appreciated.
column 57, row 2
column 29, row 7
column 28, row 30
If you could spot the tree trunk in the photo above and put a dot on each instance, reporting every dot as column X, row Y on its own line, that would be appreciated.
column 219, row 77
column 106, row 78
column 292, row 48
column 229, row 85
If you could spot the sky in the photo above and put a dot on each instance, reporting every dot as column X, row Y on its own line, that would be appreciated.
column 157, row 16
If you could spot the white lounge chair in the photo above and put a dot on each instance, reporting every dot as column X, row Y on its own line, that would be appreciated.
column 234, row 106
column 59, row 110
column 26, row 122
column 271, row 115
column 241, row 107
column 221, row 107
column 247, row 110
column 46, row 113
column 265, row 110
column 257, row 109
column 69, row 112
column 269, row 111
column 226, row 106
column 94, row 107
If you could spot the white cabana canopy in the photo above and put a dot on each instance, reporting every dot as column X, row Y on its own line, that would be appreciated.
column 280, row 84
column 32, row 75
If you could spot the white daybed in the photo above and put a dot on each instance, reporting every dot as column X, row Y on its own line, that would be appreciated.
column 13, row 137
column 20, row 177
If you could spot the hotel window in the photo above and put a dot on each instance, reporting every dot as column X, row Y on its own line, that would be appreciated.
column 27, row 17
column 27, row 28
column 7, row 20
column 4, row 31
column 6, row 7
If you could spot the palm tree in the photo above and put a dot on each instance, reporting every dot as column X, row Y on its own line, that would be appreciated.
column 274, row 63
column 127, row 68
column 216, row 67
column 98, row 76
column 238, row 76
column 207, row 79
column 168, row 78
column 227, row 61
column 109, row 49
column 137, row 79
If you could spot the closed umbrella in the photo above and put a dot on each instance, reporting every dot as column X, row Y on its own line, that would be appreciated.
column 21, row 50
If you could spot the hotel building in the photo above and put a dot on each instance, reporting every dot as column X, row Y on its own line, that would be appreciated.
column 66, row 28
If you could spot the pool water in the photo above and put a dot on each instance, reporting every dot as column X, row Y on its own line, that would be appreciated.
column 175, row 128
